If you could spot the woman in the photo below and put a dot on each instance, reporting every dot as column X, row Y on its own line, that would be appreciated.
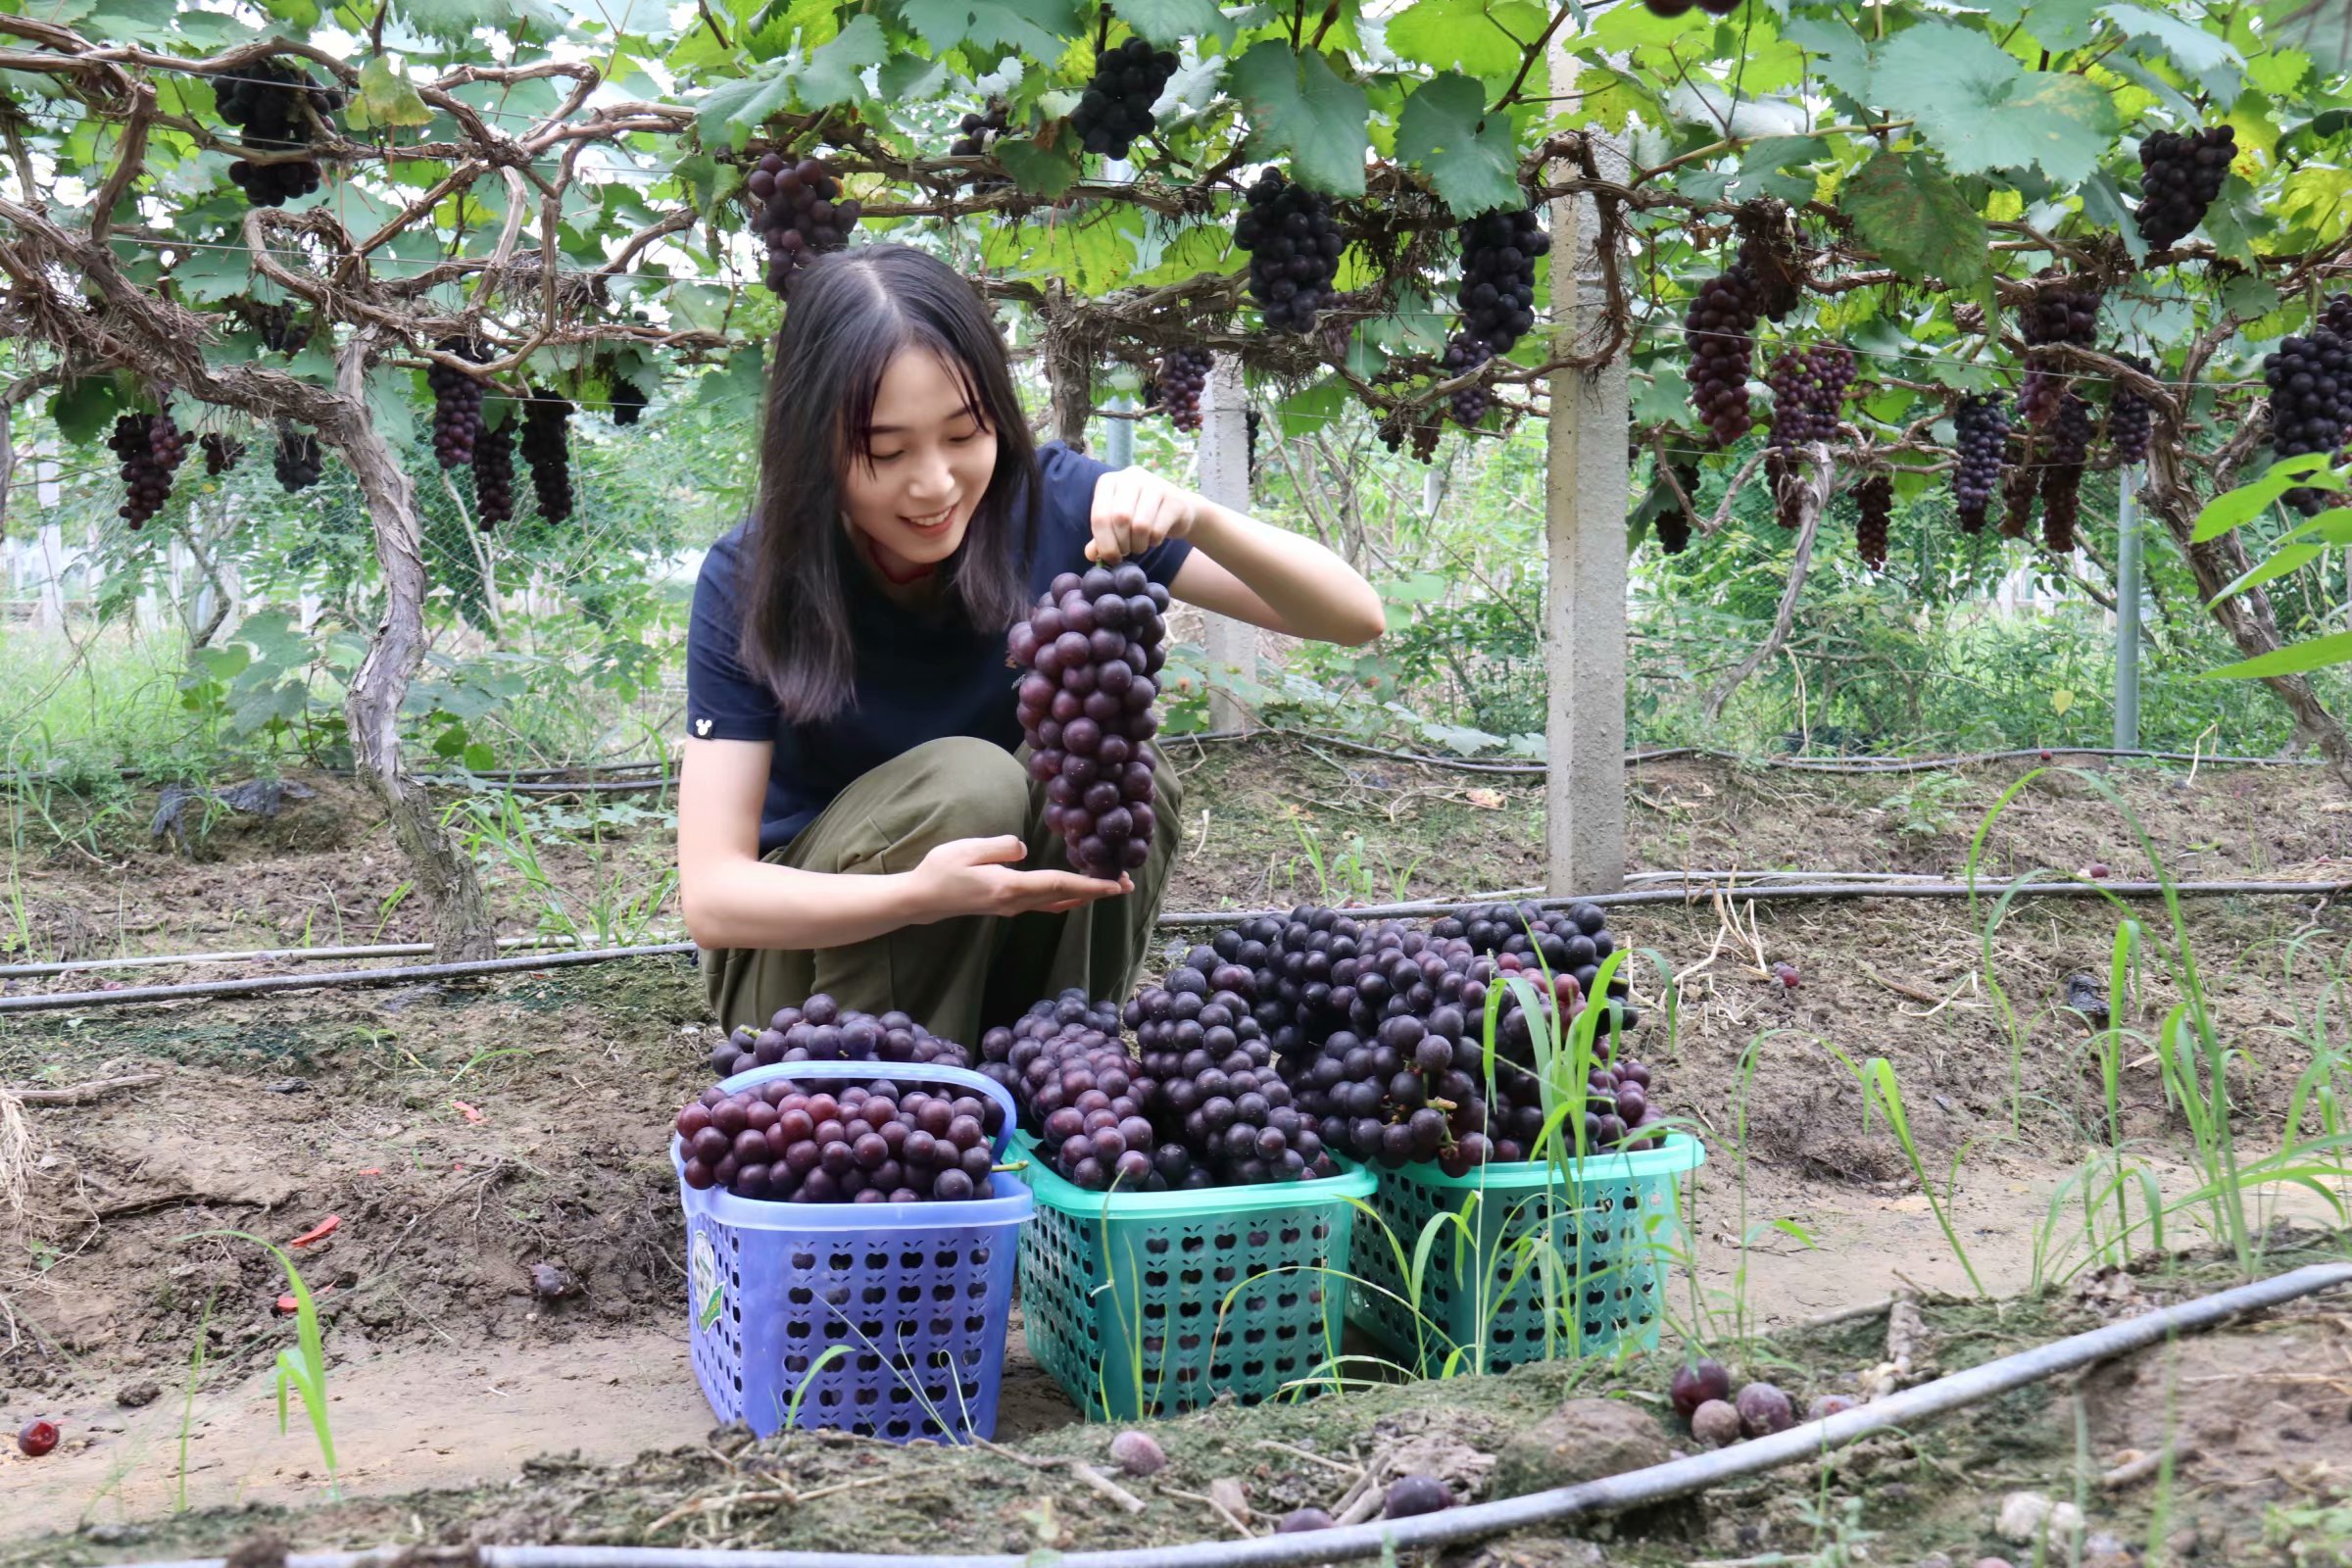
column 853, row 817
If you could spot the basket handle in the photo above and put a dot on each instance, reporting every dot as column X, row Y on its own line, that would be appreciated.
column 896, row 1072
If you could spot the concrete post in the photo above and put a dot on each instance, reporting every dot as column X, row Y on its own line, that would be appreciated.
column 1583, row 601
column 1223, row 457
column 2127, row 609
column 50, row 616
column 1118, row 435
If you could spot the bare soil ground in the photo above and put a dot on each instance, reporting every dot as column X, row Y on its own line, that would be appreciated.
column 461, row 1134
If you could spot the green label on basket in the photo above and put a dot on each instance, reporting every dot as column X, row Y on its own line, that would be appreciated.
column 705, row 1273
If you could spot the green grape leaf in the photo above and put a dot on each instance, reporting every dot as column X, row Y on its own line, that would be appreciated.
column 454, row 21
column 83, row 410
column 1037, row 171
column 1982, row 110
column 386, row 98
column 909, row 78
column 2298, row 659
column 2056, row 24
column 1168, row 23
column 390, row 392
column 1300, row 108
column 1908, row 209
column 1484, row 37
column 2208, row 57
column 733, row 110
column 835, row 72
column 1038, row 29
column 1470, row 156
column 205, row 276
column 2321, row 28
column 1840, row 58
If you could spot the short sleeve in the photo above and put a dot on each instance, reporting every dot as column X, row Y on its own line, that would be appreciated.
column 724, row 700
column 1069, row 492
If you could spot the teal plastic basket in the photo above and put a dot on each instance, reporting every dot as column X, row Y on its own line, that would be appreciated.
column 1154, row 1304
column 1492, row 1293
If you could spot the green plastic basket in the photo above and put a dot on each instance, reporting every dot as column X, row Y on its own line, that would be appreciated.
column 1493, row 1295
column 1153, row 1303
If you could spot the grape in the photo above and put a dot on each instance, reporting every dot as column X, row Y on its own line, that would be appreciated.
column 282, row 330
column 1408, row 1495
column 457, row 404
column 152, row 448
column 2021, row 482
column 1093, row 647
column 820, row 1029
column 1224, row 1099
column 1183, row 377
column 802, row 214
column 1979, row 436
column 1875, row 499
column 1716, row 1424
column 1249, row 423
column 2311, row 394
column 1468, row 403
column 1498, row 292
column 2131, row 417
column 2180, row 177
column 1808, row 389
column 299, row 463
column 2062, row 474
column 1425, row 441
column 1138, row 1453
column 1720, row 330
column 1116, row 108
column 1696, row 1384
column 626, row 401
column 548, row 451
column 1097, row 1115
column 494, row 474
column 220, row 453
column 1763, row 1410
column 980, row 131
column 833, row 1143
column 265, row 102
column 1293, row 245
column 2064, row 311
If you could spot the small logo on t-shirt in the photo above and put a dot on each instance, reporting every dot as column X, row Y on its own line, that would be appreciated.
column 702, row 726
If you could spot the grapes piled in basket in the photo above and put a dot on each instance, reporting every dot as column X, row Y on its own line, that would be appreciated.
column 870, row 1143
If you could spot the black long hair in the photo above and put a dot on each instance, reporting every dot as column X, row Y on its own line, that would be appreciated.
column 851, row 313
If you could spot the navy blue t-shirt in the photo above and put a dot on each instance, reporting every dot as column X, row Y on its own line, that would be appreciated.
column 917, row 677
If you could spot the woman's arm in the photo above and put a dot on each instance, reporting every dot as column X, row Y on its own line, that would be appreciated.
column 733, row 898
column 1239, row 566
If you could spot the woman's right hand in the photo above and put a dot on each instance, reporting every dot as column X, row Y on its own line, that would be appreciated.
column 983, row 876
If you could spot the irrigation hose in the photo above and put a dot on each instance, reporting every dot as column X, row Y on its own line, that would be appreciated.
column 1611, row 1495
column 1856, row 766
column 264, row 985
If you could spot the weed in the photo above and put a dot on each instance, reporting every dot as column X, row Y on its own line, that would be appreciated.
column 300, row 1366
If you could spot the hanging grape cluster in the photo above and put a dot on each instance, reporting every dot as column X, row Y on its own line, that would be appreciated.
column 2020, row 483
column 1979, row 437
column 1183, row 377
column 2131, row 417
column 281, row 329
column 1808, row 393
column 2180, row 176
column 220, row 453
column 625, row 402
column 2310, row 378
column 299, row 463
column 1720, row 333
column 265, row 102
column 1498, row 292
column 1467, row 404
column 152, row 448
column 980, row 132
column 2062, row 465
column 547, row 448
column 1116, row 107
column 1874, row 504
column 1672, row 524
column 457, row 404
column 494, row 474
column 803, row 214
column 1293, row 245
column 2064, row 311
column 1092, row 646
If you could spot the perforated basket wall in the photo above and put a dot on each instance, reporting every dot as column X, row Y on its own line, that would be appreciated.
column 1611, row 1225
column 886, row 1319
column 1153, row 1303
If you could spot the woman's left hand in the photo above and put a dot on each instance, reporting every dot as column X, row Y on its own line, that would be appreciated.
column 1134, row 510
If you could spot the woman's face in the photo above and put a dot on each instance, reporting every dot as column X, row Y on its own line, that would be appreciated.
column 929, row 461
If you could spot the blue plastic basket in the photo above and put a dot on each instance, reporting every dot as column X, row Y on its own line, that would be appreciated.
column 886, row 1319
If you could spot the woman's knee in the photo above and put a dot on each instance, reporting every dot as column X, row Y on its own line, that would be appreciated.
column 964, row 788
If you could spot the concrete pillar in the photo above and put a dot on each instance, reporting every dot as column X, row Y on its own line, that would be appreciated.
column 50, row 613
column 1223, row 456
column 1583, row 601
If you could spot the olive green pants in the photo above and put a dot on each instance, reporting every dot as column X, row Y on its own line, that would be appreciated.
column 955, row 977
